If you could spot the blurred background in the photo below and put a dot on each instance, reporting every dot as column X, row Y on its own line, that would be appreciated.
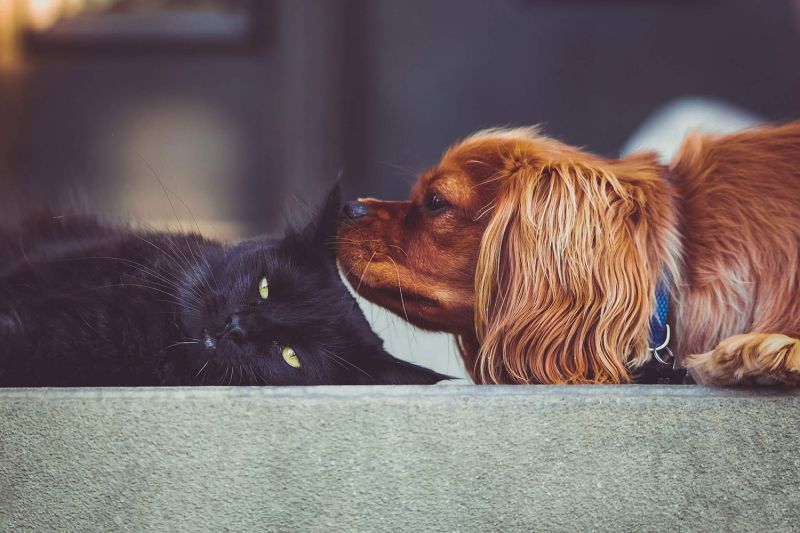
column 248, row 109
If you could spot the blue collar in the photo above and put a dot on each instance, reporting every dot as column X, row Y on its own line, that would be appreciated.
column 659, row 328
column 659, row 325
column 663, row 367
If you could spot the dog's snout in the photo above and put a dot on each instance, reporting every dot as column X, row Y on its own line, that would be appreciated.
column 354, row 210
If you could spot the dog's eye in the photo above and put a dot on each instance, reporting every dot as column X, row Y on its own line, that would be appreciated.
column 263, row 288
column 290, row 357
column 435, row 203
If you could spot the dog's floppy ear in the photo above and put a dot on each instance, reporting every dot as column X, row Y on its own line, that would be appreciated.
column 567, row 270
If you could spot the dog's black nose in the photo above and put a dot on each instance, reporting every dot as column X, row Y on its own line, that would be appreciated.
column 354, row 210
column 233, row 329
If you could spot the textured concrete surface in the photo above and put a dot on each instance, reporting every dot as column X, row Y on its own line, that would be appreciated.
column 444, row 458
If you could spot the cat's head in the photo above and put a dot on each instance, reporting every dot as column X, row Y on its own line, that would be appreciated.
column 275, row 312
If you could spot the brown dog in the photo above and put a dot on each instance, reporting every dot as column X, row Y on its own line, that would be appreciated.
column 544, row 259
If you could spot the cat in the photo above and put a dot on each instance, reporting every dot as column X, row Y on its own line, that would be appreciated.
column 83, row 303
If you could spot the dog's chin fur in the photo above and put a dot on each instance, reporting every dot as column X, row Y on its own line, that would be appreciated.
column 545, row 258
column 418, row 303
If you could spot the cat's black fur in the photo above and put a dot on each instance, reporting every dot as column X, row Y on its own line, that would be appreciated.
column 85, row 304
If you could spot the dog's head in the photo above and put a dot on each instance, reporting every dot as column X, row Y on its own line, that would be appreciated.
column 545, row 254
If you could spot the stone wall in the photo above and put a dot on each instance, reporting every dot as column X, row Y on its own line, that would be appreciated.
column 442, row 458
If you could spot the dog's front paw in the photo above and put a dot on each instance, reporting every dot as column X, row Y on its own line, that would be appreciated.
column 749, row 359
column 704, row 371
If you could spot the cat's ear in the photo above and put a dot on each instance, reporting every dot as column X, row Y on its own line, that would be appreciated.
column 321, row 231
column 388, row 370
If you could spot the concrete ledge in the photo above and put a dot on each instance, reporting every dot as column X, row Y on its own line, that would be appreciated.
column 444, row 458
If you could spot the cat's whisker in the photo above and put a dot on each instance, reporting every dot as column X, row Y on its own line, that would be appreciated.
column 194, row 267
column 172, row 283
column 202, row 368
column 134, row 285
column 180, row 284
column 180, row 253
column 197, row 271
column 169, row 199
column 335, row 357
column 182, row 305
column 335, row 360
column 172, row 252
column 208, row 268
column 178, row 344
column 213, row 277
column 197, row 242
column 169, row 257
column 171, row 288
column 205, row 374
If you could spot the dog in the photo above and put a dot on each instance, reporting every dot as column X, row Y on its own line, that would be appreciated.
column 545, row 260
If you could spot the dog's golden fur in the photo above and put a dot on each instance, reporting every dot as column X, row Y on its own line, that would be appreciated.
column 545, row 259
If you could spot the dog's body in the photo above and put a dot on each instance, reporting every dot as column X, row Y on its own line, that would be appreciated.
column 544, row 259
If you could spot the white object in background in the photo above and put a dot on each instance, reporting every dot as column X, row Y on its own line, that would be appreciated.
column 437, row 351
column 664, row 130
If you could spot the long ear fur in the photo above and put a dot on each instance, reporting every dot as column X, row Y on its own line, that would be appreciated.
column 567, row 269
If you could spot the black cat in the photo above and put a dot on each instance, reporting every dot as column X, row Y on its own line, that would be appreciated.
column 85, row 304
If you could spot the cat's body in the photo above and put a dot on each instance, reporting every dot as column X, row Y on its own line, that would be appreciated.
column 85, row 304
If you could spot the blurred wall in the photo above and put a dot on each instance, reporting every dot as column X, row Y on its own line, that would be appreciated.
column 372, row 89
column 589, row 71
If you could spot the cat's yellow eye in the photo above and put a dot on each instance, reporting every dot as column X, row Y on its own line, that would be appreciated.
column 263, row 288
column 290, row 357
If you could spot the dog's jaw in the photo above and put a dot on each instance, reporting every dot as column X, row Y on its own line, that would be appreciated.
column 418, row 303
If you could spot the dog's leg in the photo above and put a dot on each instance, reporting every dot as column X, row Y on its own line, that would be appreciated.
column 749, row 359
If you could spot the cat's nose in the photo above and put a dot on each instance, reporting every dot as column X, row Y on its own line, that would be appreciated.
column 233, row 329
column 354, row 210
